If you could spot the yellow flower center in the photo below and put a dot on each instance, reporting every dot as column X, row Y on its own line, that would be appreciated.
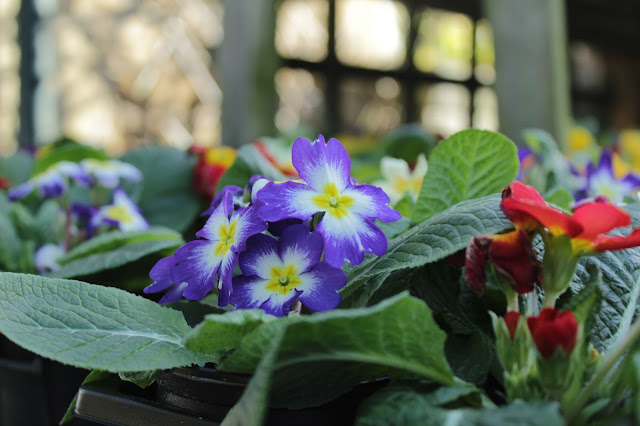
column 119, row 213
column 227, row 234
column 333, row 202
column 283, row 279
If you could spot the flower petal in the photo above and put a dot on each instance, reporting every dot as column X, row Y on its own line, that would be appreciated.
column 599, row 217
column 320, row 287
column 161, row 275
column 249, row 292
column 346, row 238
column 558, row 222
column 51, row 185
column 300, row 247
column 260, row 256
column 248, row 223
column 225, row 283
column 236, row 193
column 320, row 164
column 196, row 264
column 288, row 200
column 20, row 191
column 371, row 202
column 219, row 218
column 280, row 304
column 393, row 168
column 605, row 242
column 475, row 262
column 512, row 256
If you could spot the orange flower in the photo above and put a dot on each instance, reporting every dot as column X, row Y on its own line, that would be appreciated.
column 211, row 165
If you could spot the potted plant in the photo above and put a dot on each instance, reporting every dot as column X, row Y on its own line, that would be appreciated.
column 313, row 297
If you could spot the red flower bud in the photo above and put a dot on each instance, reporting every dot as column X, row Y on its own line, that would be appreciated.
column 552, row 329
column 511, row 318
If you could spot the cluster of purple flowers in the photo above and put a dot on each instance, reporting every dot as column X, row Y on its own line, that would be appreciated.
column 290, row 239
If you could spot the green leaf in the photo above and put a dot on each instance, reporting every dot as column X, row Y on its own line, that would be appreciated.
column 250, row 410
column 469, row 164
column 144, row 379
column 67, row 151
column 17, row 168
column 108, row 252
column 325, row 354
column 168, row 197
column 432, row 240
column 224, row 332
column 414, row 413
column 558, row 173
column 10, row 243
column 249, row 162
column 117, row 239
column 90, row 326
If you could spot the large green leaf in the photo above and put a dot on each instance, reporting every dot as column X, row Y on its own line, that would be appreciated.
column 91, row 326
column 435, row 238
column 168, row 197
column 324, row 354
column 469, row 164
column 118, row 239
column 224, row 332
column 65, row 151
column 17, row 168
column 249, row 162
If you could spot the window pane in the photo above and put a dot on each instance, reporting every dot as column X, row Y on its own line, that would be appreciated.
column 371, row 33
column 9, row 76
column 301, row 29
column 485, row 109
column 444, row 45
column 115, row 73
column 444, row 108
column 485, row 71
column 371, row 106
column 301, row 100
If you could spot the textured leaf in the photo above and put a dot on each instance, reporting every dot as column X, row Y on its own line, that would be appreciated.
column 143, row 379
column 432, row 240
column 224, row 332
column 324, row 354
column 117, row 239
column 90, row 326
column 414, row 411
column 106, row 260
column 469, row 164
column 251, row 408
column 168, row 197
column 249, row 162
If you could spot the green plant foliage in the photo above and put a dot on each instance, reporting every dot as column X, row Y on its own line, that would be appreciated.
column 115, row 249
column 224, row 332
column 469, row 164
column 17, row 167
column 325, row 354
column 249, row 162
column 434, row 239
column 144, row 379
column 65, row 150
column 166, row 196
column 90, row 326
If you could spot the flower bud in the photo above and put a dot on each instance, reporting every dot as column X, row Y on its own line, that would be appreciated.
column 552, row 330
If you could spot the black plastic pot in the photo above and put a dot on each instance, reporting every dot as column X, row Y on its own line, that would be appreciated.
column 34, row 391
column 198, row 396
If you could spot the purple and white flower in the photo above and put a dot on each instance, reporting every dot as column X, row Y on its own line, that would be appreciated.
column 237, row 195
column 209, row 260
column 347, row 226
column 123, row 213
column 276, row 273
column 602, row 180
column 45, row 257
column 52, row 183
column 109, row 172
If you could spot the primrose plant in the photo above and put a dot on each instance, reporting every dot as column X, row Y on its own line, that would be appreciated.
column 316, row 224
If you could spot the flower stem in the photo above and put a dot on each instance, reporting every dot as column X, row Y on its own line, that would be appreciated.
column 603, row 370
column 67, row 229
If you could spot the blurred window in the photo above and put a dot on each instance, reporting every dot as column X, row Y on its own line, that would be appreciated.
column 387, row 62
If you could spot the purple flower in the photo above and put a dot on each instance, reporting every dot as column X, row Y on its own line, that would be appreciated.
column 123, row 213
column 109, row 172
column 275, row 274
column 202, row 263
column 237, row 195
column 162, row 280
column 52, row 183
column 347, row 227
column 601, row 180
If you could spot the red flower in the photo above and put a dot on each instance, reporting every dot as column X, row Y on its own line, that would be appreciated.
column 552, row 329
column 586, row 228
column 211, row 165
column 275, row 159
column 512, row 318
column 4, row 183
